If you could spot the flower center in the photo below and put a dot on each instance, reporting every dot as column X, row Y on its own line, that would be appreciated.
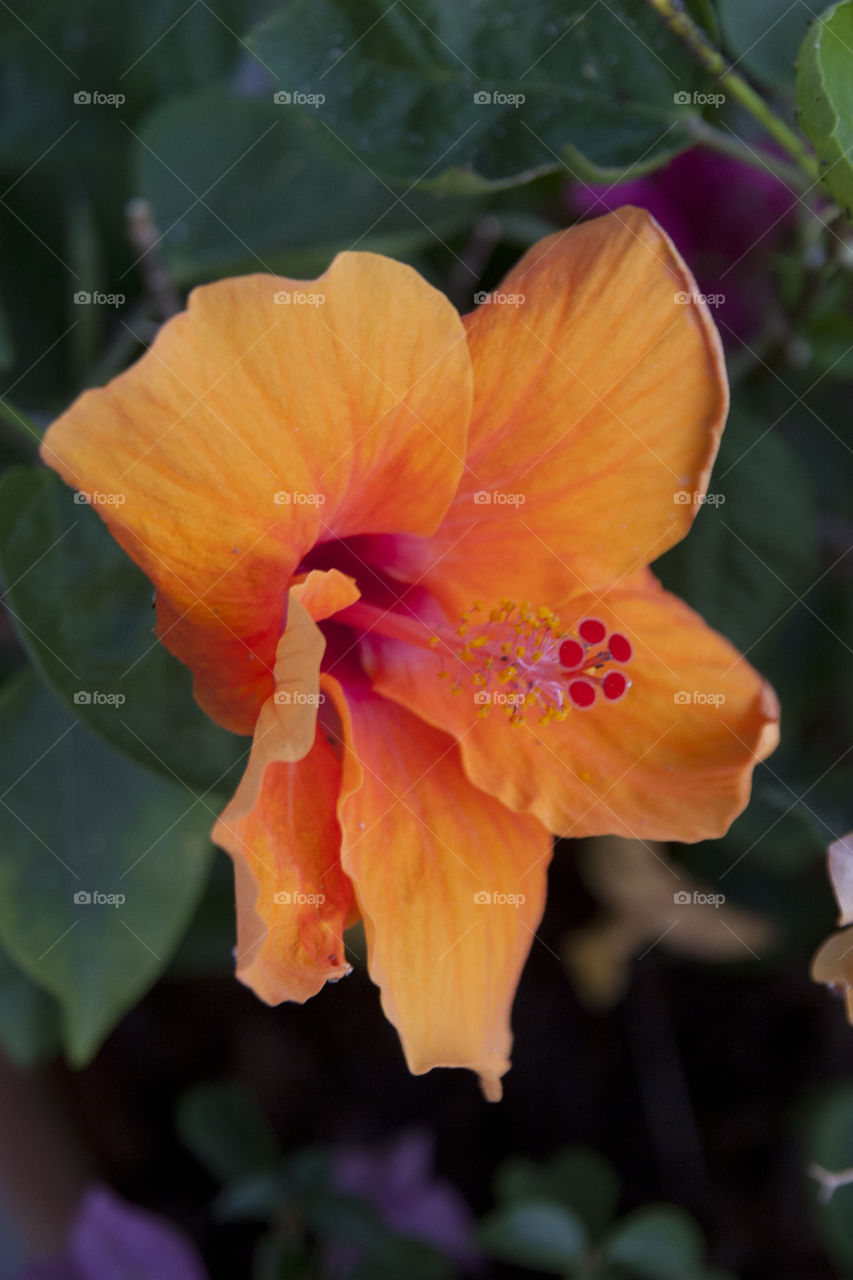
column 519, row 657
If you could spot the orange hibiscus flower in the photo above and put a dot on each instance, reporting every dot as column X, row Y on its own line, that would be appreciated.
column 369, row 522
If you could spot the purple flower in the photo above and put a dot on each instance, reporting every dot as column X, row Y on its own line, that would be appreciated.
column 112, row 1240
column 725, row 217
column 398, row 1180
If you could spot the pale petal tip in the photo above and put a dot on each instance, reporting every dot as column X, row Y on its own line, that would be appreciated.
column 492, row 1086
column 841, row 875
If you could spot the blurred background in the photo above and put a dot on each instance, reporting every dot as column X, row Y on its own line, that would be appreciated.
column 675, row 1071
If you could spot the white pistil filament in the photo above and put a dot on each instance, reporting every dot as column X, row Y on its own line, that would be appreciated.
column 521, row 658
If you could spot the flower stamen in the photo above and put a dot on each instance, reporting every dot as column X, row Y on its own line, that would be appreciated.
column 521, row 657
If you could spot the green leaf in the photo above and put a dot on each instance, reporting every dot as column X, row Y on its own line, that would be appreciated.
column 29, row 1017
column 280, row 1259
column 830, row 343
column 825, row 97
column 829, row 1143
column 752, row 551
column 579, row 1179
column 383, row 1254
column 83, row 611
column 534, row 1234
column 227, row 1132
column 256, row 1198
column 661, row 1242
column 764, row 36
column 101, row 865
column 309, row 202
column 492, row 93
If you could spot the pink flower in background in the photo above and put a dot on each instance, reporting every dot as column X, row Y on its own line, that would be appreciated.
column 726, row 218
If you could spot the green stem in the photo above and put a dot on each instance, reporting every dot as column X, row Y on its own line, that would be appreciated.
column 729, row 144
column 696, row 41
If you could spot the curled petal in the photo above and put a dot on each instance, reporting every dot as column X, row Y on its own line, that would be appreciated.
column 450, row 885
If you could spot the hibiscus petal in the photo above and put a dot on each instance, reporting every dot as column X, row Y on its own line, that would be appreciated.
column 599, row 400
column 286, row 724
column 293, row 899
column 832, row 964
column 252, row 430
column 424, row 850
column 671, row 761
column 323, row 592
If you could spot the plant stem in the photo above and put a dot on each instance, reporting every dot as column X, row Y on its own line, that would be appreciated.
column 728, row 143
column 696, row 41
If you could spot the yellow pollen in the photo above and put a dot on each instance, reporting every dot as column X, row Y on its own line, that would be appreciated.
column 513, row 660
